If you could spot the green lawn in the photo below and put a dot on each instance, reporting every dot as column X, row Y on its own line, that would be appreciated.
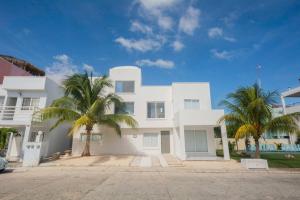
column 275, row 160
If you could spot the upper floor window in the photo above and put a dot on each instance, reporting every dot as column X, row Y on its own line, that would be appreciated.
column 125, row 108
column 124, row 86
column 191, row 104
column 30, row 103
column 156, row 110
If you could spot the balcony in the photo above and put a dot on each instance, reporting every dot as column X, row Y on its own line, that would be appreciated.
column 14, row 115
column 292, row 108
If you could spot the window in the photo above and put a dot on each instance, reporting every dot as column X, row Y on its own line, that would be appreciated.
column 95, row 137
column 2, row 100
column 150, row 140
column 30, row 103
column 195, row 141
column 125, row 86
column 125, row 108
column 156, row 110
column 191, row 104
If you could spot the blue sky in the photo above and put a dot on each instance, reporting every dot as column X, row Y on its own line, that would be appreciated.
column 172, row 40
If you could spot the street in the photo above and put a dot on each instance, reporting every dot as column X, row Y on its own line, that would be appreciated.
column 100, row 182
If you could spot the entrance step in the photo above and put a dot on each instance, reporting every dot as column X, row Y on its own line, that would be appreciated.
column 172, row 161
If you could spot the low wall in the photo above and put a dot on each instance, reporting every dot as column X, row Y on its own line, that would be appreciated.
column 241, row 142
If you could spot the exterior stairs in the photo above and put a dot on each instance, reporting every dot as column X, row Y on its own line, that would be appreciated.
column 172, row 161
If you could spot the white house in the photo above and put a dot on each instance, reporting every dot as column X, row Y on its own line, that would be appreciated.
column 20, row 98
column 177, row 119
column 293, row 107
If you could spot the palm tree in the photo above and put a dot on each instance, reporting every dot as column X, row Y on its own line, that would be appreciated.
column 250, row 114
column 85, row 104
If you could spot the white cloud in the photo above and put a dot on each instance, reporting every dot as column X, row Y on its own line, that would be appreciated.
column 215, row 32
column 230, row 19
column 156, row 9
column 189, row 21
column 160, row 63
column 88, row 68
column 223, row 55
column 63, row 58
column 142, row 45
column 177, row 45
column 165, row 23
column 61, row 67
column 230, row 39
column 157, row 4
column 139, row 27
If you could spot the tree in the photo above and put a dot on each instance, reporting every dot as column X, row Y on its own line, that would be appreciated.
column 250, row 114
column 4, row 134
column 86, row 104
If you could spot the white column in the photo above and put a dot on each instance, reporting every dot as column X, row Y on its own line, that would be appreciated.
column 11, row 136
column 39, row 136
column 225, row 142
column 182, row 142
column 291, row 140
column 26, row 136
column 283, row 104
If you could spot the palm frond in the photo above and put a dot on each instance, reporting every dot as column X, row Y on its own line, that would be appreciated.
column 55, row 112
column 246, row 129
column 122, row 118
column 284, row 124
column 231, row 119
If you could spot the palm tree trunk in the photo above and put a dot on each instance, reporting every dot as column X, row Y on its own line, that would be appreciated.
column 257, row 153
column 86, row 150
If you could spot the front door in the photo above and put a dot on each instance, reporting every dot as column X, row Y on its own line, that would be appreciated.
column 165, row 141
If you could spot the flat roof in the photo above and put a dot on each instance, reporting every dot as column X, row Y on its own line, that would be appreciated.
column 294, row 92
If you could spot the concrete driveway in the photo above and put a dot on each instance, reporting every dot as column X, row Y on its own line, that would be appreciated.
column 106, row 182
column 107, row 160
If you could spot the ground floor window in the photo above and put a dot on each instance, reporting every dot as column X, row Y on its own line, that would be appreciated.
column 95, row 137
column 195, row 141
column 150, row 140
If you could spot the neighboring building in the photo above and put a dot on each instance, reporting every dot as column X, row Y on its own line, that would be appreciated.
column 294, row 95
column 22, row 94
column 11, row 66
column 176, row 119
column 277, row 111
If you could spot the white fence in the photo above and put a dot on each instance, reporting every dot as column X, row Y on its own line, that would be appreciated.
column 16, row 113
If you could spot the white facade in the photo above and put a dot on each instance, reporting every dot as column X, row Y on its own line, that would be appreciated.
column 176, row 119
column 20, row 98
column 293, row 93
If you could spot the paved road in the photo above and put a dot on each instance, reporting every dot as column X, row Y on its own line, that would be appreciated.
column 142, row 183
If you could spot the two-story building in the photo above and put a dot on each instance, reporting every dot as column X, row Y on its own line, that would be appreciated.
column 24, row 90
column 291, row 107
column 177, row 119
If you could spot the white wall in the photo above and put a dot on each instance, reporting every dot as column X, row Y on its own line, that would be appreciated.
column 24, row 82
column 142, row 95
column 131, row 142
column 181, row 91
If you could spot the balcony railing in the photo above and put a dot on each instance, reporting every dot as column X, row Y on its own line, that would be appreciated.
column 22, row 113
